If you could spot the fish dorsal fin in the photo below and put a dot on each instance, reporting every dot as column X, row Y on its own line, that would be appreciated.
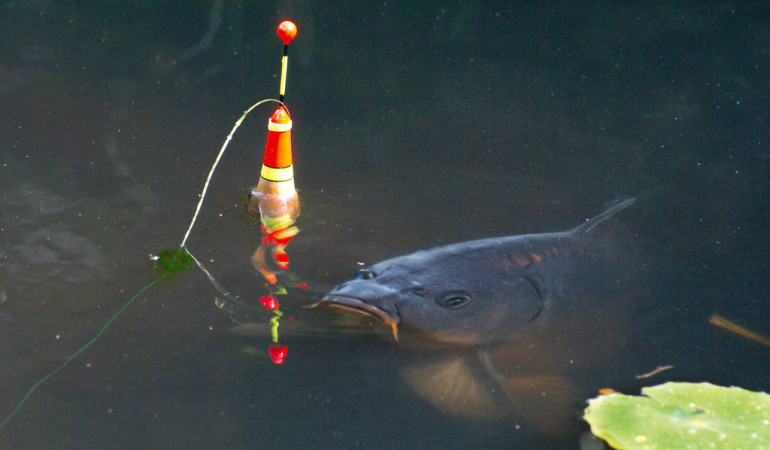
column 453, row 387
column 589, row 225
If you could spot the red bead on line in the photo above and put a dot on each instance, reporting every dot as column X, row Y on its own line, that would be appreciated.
column 269, row 302
column 278, row 353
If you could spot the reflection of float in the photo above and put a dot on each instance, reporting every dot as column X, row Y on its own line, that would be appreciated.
column 277, row 352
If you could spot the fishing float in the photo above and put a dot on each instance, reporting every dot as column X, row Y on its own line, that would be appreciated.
column 274, row 201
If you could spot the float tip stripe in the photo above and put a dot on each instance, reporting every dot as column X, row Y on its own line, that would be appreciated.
column 273, row 174
column 286, row 31
column 284, row 68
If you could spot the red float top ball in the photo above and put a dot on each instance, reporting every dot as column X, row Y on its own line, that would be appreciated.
column 287, row 31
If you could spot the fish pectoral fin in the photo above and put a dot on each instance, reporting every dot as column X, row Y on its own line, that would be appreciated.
column 454, row 388
column 545, row 402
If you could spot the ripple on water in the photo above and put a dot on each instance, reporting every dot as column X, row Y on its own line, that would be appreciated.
column 43, row 243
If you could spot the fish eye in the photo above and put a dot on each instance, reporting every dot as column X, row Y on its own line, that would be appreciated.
column 364, row 274
column 454, row 300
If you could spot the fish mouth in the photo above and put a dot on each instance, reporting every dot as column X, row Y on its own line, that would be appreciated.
column 361, row 307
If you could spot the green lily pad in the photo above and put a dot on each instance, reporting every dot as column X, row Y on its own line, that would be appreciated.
column 174, row 260
column 683, row 416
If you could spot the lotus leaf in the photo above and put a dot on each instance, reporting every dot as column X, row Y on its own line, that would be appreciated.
column 683, row 416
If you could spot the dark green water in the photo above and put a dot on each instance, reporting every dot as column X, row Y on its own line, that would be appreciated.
column 414, row 126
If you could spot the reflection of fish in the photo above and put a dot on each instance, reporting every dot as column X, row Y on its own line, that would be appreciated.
column 512, row 315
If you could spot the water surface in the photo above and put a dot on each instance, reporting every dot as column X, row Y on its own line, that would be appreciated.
column 414, row 126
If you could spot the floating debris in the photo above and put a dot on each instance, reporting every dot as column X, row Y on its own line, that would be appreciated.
column 733, row 327
column 654, row 372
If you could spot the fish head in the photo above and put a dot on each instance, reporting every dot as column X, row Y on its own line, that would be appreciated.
column 449, row 297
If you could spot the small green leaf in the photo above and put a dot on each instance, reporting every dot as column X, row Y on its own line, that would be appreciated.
column 683, row 416
column 174, row 260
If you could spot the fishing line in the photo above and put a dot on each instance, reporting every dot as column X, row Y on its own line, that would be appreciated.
column 216, row 162
column 208, row 274
column 79, row 351
column 172, row 260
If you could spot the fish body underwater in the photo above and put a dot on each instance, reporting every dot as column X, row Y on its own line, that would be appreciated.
column 514, row 314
